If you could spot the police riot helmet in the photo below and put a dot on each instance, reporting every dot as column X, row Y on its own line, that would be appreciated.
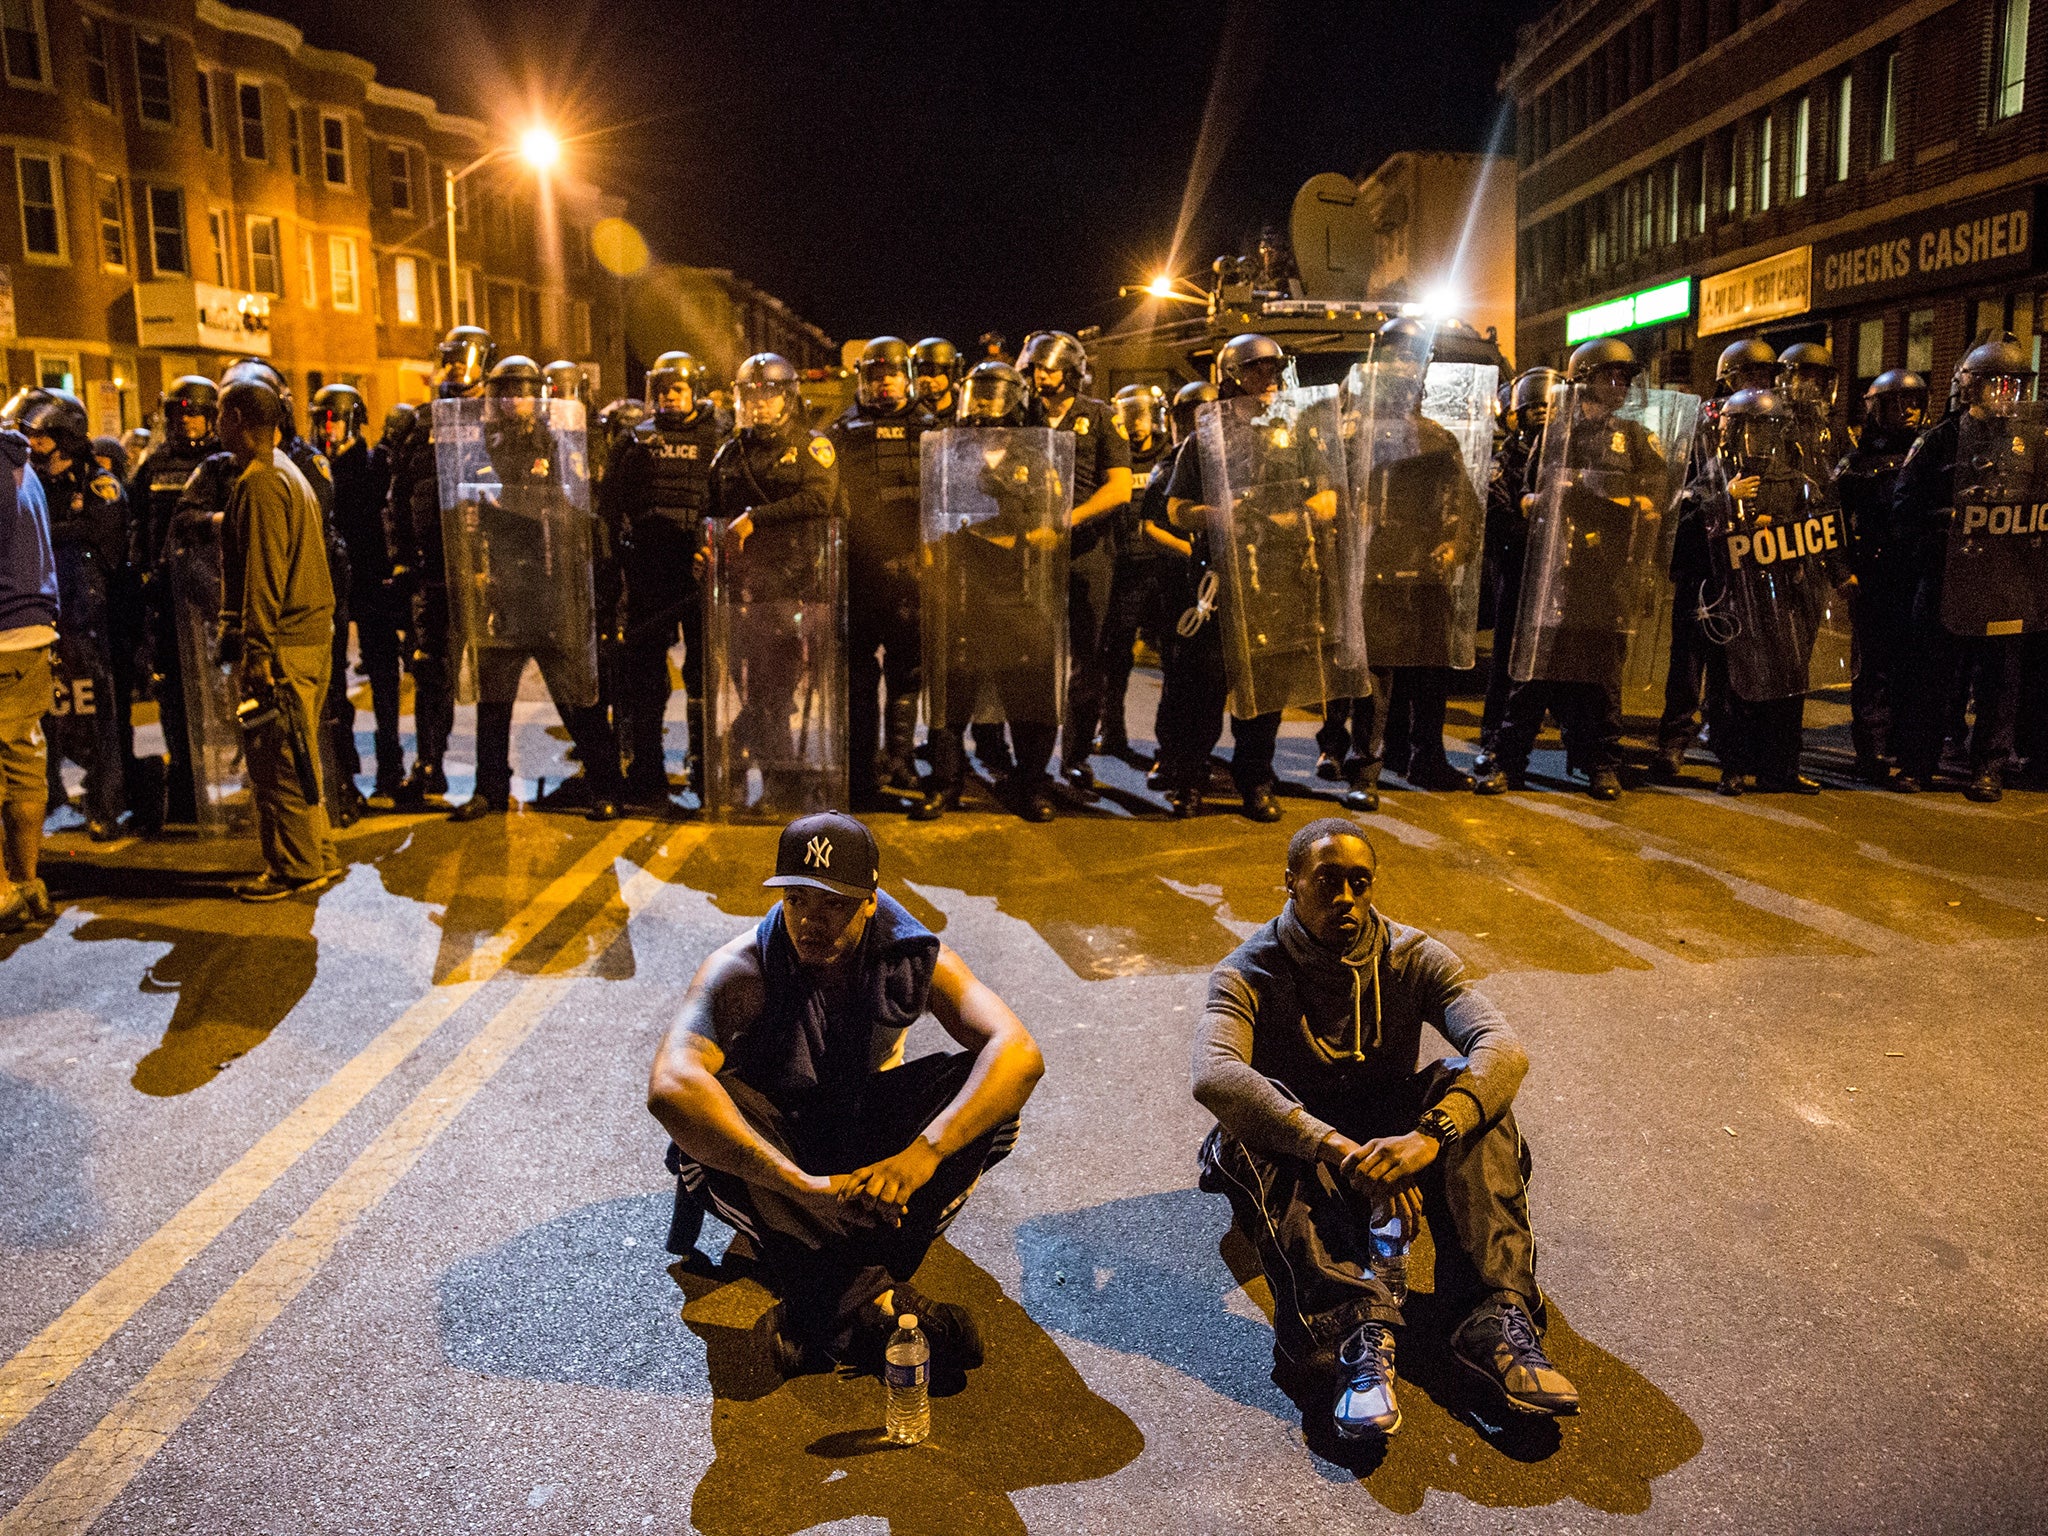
column 1603, row 352
column 993, row 394
column 668, row 371
column 336, row 415
column 1237, row 357
column 110, row 455
column 1806, row 374
column 515, row 386
column 883, row 358
column 566, row 380
column 397, row 422
column 1896, row 401
column 466, row 355
column 1187, row 400
column 1139, row 411
column 933, row 358
column 1746, row 364
column 1407, row 337
column 1994, row 374
column 138, row 441
column 1533, row 387
column 763, row 380
column 255, row 370
column 58, row 415
column 189, row 395
column 1756, row 425
column 1056, row 352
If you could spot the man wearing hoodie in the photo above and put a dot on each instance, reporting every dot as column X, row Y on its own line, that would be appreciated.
column 1330, row 1144
column 28, row 628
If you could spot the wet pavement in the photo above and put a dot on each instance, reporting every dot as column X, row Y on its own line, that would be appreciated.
column 345, row 1213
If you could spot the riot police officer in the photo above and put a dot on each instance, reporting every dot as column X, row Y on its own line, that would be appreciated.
column 1055, row 366
column 876, row 441
column 338, row 418
column 413, row 516
column 1895, row 409
column 1990, row 382
column 656, row 491
column 89, row 537
column 1507, row 535
column 935, row 362
column 1184, row 652
column 191, row 413
column 1137, row 600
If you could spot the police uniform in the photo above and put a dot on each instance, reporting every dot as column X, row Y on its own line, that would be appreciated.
column 1507, row 539
column 1138, row 599
column 154, row 494
column 412, row 520
column 361, row 482
column 89, row 537
column 1881, row 607
column 1099, row 449
column 655, row 494
column 879, row 483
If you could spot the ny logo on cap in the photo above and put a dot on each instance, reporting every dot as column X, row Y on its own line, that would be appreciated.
column 819, row 852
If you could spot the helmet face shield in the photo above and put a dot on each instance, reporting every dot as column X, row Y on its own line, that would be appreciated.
column 1998, row 393
column 761, row 405
column 883, row 382
column 1900, row 410
column 463, row 362
column 990, row 398
column 1136, row 415
column 1810, row 386
column 1755, row 444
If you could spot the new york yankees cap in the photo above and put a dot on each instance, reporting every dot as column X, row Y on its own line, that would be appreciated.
column 828, row 850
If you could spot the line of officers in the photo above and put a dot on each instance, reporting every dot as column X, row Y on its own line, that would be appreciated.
column 673, row 475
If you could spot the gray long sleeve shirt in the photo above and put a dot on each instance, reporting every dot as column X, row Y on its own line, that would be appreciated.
column 1297, row 1040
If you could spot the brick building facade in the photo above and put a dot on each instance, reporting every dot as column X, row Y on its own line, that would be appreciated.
column 1865, row 175
column 188, row 182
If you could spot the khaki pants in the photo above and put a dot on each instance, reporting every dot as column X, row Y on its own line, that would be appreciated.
column 297, row 844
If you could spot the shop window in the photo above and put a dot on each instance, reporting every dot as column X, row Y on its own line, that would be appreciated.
column 264, row 266
column 153, row 81
column 1920, row 341
column 92, row 39
column 1845, row 106
column 21, row 24
column 1990, row 320
column 1888, row 108
column 2009, row 59
column 113, row 233
column 167, row 231
column 40, row 179
column 250, row 95
column 1870, row 348
column 1802, row 135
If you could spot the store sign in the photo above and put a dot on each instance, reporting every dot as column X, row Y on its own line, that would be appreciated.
column 1770, row 289
column 199, row 315
column 1671, row 301
column 1944, row 247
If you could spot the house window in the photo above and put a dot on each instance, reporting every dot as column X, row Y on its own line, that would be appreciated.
column 1888, row 114
column 294, row 146
column 1920, row 341
column 206, row 134
column 1766, row 162
column 1731, row 194
column 1802, row 138
column 465, row 298
column 341, row 272
column 92, row 35
column 217, row 228
column 21, row 24
column 152, row 81
column 405, row 282
column 41, row 179
column 57, row 370
column 250, row 95
column 311, row 296
column 263, row 257
column 113, row 234
column 1845, row 104
column 399, row 163
column 1870, row 349
column 1672, row 207
column 2008, row 55
column 167, row 231
column 334, row 150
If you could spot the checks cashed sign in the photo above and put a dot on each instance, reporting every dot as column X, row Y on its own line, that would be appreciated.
column 1942, row 247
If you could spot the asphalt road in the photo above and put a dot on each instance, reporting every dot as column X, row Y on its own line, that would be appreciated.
column 345, row 1214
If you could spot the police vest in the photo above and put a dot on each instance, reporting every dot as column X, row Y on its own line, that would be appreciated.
column 879, row 474
column 679, row 467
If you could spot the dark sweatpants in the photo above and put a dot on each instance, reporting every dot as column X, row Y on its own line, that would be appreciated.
column 1313, row 1233
column 827, row 1263
column 1089, row 575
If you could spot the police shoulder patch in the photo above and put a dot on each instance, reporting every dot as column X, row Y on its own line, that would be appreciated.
column 106, row 487
column 1080, row 425
column 821, row 450
column 320, row 462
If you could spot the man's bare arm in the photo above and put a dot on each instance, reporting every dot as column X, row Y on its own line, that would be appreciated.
column 683, row 1091
column 1114, row 492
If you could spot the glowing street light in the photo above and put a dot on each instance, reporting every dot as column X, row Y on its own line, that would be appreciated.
column 1161, row 287
column 538, row 147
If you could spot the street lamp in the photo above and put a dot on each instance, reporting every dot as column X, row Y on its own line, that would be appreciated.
column 537, row 147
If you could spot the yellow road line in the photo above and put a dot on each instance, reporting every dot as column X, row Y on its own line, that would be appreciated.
column 83, row 1327
column 80, row 1487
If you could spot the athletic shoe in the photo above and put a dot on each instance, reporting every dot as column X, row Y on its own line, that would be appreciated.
column 948, row 1327
column 1498, row 1343
column 267, row 887
column 1365, row 1393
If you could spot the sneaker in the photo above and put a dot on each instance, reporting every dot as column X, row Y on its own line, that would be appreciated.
column 1498, row 1342
column 267, row 887
column 947, row 1326
column 1365, row 1392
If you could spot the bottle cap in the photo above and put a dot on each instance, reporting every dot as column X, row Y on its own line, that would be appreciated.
column 907, row 1321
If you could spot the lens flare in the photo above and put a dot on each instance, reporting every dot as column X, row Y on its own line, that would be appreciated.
column 540, row 149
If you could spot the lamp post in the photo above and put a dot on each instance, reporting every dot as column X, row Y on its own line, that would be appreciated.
column 538, row 147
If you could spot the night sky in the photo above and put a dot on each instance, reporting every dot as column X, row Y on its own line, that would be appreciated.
column 898, row 169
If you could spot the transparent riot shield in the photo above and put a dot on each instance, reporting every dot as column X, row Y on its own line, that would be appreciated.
column 775, row 671
column 517, row 537
column 220, row 778
column 1597, row 574
column 1995, row 576
column 994, row 508
column 1779, row 611
column 1418, row 451
column 1288, row 546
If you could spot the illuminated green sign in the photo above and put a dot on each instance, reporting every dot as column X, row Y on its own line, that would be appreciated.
column 1673, row 301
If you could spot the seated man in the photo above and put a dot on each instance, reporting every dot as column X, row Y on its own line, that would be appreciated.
column 1307, row 1058
column 783, row 1086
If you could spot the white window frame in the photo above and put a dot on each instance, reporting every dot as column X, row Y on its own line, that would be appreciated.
column 55, row 162
column 1766, row 160
column 67, row 365
column 1802, row 142
column 326, row 173
column 342, row 261
column 39, row 25
column 223, row 256
column 1888, row 116
column 119, row 223
column 405, row 289
column 252, row 224
column 184, row 231
column 1845, row 115
column 2009, row 59
column 396, row 155
column 170, row 117
column 243, row 123
column 309, row 271
column 97, row 25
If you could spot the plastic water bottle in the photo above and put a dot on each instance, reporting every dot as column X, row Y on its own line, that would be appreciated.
column 908, row 1374
column 1390, row 1240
